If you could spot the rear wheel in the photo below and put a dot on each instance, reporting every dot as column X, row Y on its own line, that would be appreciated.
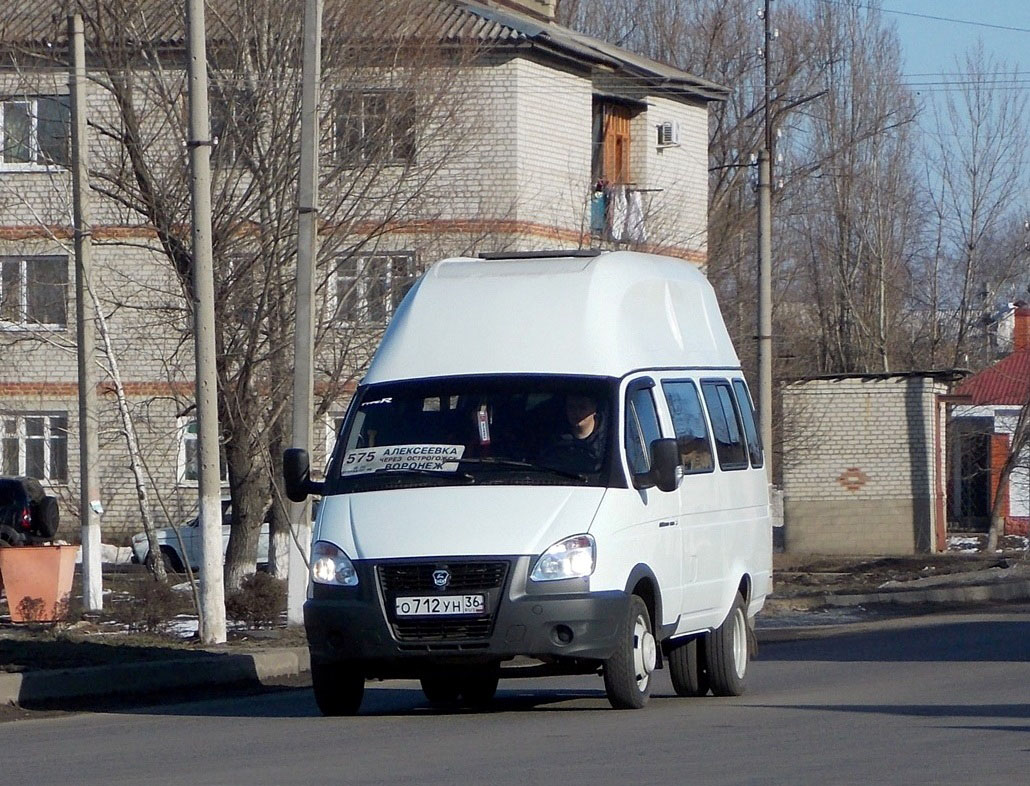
column 339, row 687
column 727, row 653
column 688, row 669
column 627, row 674
column 441, row 690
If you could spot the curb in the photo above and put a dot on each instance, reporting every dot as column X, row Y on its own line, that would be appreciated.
column 131, row 679
column 976, row 593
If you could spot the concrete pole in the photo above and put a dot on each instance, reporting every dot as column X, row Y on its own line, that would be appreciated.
column 764, row 333
column 765, row 307
column 212, row 582
column 89, row 446
column 304, row 334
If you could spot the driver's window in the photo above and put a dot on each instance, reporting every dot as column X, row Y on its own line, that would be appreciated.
column 641, row 429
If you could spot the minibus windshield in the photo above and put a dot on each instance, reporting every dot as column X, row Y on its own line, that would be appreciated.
column 551, row 430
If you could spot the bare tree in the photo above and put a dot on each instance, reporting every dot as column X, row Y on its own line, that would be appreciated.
column 977, row 155
column 392, row 122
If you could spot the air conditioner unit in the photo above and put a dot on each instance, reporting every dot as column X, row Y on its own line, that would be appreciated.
column 668, row 133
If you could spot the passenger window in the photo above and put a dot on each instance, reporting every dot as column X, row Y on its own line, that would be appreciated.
column 688, row 419
column 729, row 444
column 747, row 413
column 641, row 429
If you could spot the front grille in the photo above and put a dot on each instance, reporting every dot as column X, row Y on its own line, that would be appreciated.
column 465, row 576
column 428, row 629
column 416, row 578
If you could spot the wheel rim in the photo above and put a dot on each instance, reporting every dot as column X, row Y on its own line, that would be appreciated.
column 645, row 653
column 739, row 643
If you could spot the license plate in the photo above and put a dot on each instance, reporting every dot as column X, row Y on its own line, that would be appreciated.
column 440, row 605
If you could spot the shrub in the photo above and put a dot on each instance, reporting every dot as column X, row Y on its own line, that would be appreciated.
column 153, row 606
column 259, row 602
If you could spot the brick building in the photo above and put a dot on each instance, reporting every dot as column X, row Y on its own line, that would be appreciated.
column 983, row 423
column 863, row 468
column 565, row 141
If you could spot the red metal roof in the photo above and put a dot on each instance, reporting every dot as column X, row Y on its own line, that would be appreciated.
column 1006, row 382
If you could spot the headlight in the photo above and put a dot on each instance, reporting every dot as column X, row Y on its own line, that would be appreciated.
column 329, row 565
column 567, row 559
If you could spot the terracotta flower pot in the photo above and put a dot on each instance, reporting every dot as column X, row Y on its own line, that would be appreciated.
column 38, row 580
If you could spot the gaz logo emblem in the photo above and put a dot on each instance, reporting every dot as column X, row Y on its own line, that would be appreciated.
column 441, row 578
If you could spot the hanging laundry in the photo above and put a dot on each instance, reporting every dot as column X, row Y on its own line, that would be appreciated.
column 617, row 213
column 636, row 230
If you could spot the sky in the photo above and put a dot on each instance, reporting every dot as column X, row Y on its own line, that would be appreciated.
column 934, row 32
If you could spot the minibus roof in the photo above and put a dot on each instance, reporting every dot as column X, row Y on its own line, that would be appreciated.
column 600, row 313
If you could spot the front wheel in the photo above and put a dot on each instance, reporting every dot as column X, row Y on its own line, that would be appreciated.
column 339, row 688
column 727, row 653
column 627, row 674
column 479, row 686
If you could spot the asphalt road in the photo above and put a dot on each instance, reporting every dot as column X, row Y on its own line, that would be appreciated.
column 944, row 701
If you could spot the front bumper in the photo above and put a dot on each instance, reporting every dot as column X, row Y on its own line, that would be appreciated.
column 555, row 621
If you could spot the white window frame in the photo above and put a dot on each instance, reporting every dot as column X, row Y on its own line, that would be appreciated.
column 184, row 436
column 24, row 262
column 38, row 161
column 49, row 435
column 362, row 283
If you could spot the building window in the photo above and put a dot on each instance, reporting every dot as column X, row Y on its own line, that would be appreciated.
column 189, row 455
column 610, row 162
column 35, row 131
column 33, row 291
column 369, row 288
column 233, row 125
column 375, row 126
column 35, row 445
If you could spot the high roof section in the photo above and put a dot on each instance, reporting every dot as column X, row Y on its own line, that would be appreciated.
column 602, row 315
column 43, row 26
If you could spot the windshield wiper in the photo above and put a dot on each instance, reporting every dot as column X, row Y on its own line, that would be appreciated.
column 518, row 464
column 436, row 473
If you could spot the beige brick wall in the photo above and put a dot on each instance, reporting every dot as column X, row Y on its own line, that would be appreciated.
column 860, row 473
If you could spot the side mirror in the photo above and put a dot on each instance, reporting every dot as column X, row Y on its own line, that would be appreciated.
column 665, row 467
column 297, row 475
column 665, row 464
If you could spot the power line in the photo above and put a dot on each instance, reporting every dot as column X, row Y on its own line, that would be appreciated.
column 932, row 17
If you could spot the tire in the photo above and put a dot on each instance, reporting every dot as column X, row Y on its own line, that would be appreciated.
column 9, row 536
column 339, row 688
column 627, row 673
column 479, row 686
column 727, row 653
column 46, row 517
column 441, row 690
column 172, row 562
column 688, row 668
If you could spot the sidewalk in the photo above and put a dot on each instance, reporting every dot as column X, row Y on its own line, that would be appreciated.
column 797, row 614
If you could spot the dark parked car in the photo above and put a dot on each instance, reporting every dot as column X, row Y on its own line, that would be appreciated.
column 27, row 515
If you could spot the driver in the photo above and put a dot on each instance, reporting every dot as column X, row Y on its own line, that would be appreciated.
column 580, row 445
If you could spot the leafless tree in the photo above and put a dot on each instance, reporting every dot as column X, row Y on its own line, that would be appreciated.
column 977, row 156
column 391, row 123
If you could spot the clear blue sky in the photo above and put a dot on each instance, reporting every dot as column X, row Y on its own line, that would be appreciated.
column 931, row 40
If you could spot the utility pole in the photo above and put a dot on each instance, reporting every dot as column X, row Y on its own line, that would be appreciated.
column 212, row 581
column 764, row 333
column 304, row 332
column 89, row 445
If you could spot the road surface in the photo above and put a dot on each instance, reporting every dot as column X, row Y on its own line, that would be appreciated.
column 946, row 700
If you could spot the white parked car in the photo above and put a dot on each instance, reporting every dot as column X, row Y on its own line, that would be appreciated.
column 177, row 556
